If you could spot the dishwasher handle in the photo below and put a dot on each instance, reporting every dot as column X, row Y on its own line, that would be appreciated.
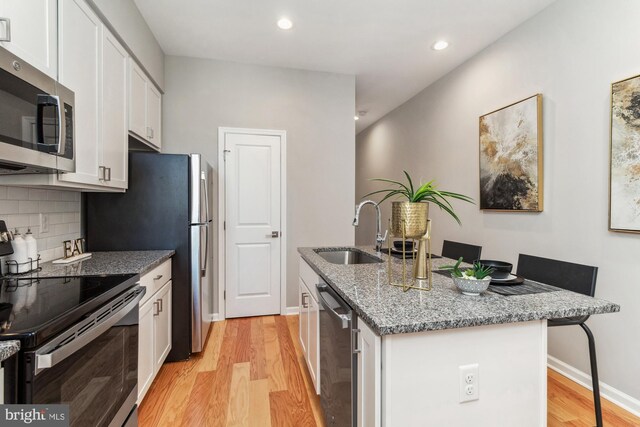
column 343, row 318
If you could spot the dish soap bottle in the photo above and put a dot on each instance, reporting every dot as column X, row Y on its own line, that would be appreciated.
column 32, row 250
column 19, row 254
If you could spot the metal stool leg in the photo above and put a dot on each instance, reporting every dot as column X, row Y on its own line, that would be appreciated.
column 594, row 374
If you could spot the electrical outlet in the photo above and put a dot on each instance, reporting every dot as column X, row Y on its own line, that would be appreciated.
column 469, row 382
column 44, row 223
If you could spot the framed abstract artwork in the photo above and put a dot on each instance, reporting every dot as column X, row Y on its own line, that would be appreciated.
column 511, row 176
column 624, row 166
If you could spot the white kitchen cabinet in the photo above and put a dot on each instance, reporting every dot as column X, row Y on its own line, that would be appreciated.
column 145, row 108
column 114, row 141
column 29, row 30
column 154, row 333
column 162, row 325
column 303, row 330
column 309, row 321
column 313, row 355
column 369, row 373
column 146, row 362
column 80, row 51
column 94, row 65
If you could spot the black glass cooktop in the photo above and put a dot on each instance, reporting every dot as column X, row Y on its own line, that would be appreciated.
column 35, row 310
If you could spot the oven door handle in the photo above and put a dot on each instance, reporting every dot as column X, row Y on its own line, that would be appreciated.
column 82, row 333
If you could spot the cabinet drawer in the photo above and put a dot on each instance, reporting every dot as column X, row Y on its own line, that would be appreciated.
column 309, row 277
column 156, row 279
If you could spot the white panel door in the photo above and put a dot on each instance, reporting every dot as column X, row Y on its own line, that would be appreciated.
column 80, row 51
column 252, row 193
column 115, row 144
column 33, row 32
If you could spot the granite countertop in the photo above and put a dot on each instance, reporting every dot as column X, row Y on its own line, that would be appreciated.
column 389, row 310
column 8, row 349
column 106, row 263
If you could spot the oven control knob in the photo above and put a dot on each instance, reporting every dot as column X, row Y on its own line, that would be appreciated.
column 17, row 66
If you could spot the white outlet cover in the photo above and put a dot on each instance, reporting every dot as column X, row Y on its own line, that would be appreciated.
column 469, row 382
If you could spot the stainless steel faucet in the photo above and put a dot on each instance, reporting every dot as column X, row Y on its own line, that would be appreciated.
column 379, row 237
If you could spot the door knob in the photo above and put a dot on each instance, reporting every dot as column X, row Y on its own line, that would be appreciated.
column 275, row 234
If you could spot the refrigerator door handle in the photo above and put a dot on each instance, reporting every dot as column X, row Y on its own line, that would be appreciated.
column 206, row 250
column 203, row 181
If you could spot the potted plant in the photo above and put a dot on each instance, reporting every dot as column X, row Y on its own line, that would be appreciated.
column 410, row 217
column 472, row 281
column 414, row 212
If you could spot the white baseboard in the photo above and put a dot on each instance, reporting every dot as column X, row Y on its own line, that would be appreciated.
column 612, row 394
column 291, row 310
column 215, row 317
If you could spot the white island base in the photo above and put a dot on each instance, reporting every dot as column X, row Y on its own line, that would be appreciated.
column 414, row 379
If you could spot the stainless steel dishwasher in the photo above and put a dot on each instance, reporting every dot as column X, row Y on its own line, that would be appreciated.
column 338, row 359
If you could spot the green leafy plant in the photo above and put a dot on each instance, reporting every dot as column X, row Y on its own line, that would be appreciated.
column 478, row 271
column 426, row 192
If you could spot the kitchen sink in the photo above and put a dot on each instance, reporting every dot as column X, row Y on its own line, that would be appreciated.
column 348, row 256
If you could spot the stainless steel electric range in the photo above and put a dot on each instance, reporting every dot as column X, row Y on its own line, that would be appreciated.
column 79, row 345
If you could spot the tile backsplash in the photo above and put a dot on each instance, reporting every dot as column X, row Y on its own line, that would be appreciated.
column 21, row 207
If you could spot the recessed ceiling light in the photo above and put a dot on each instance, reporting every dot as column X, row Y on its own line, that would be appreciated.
column 440, row 45
column 285, row 24
column 356, row 118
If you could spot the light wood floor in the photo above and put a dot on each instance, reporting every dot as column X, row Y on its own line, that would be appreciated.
column 252, row 373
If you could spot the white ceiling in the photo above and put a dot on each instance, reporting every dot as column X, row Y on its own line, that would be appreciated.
column 386, row 44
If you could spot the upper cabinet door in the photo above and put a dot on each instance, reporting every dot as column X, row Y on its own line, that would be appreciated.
column 80, row 46
column 154, row 115
column 115, row 145
column 137, row 100
column 30, row 28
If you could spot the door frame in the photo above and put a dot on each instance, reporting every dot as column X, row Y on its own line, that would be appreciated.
column 222, row 284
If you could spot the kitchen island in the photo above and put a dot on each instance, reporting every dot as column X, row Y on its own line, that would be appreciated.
column 417, row 347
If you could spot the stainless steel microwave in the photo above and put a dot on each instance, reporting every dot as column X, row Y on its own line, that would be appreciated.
column 36, row 120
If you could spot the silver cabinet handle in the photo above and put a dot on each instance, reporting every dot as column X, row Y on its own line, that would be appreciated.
column 108, row 174
column 160, row 302
column 149, row 133
column 101, row 173
column 275, row 234
column 304, row 300
column 158, row 277
column 7, row 30
column 354, row 341
column 157, row 306
column 87, row 330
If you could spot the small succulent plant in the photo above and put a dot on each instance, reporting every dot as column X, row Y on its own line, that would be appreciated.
column 477, row 272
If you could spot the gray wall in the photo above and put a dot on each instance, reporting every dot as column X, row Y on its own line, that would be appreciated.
column 571, row 53
column 127, row 21
column 316, row 109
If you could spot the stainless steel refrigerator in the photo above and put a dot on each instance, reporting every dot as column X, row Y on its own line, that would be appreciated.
column 168, row 206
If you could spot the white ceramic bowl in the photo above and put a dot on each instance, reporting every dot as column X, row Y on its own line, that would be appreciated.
column 472, row 287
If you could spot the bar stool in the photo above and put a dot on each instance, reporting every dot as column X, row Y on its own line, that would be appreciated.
column 572, row 277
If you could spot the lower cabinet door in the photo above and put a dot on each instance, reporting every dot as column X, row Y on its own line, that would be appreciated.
column 313, row 355
column 162, row 325
column 146, row 361
column 303, row 303
column 369, row 405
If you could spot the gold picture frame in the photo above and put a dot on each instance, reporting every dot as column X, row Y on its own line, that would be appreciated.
column 511, row 157
column 624, row 156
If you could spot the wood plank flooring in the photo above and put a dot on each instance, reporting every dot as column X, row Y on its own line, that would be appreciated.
column 253, row 373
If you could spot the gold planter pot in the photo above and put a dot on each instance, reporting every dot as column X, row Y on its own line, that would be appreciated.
column 412, row 216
